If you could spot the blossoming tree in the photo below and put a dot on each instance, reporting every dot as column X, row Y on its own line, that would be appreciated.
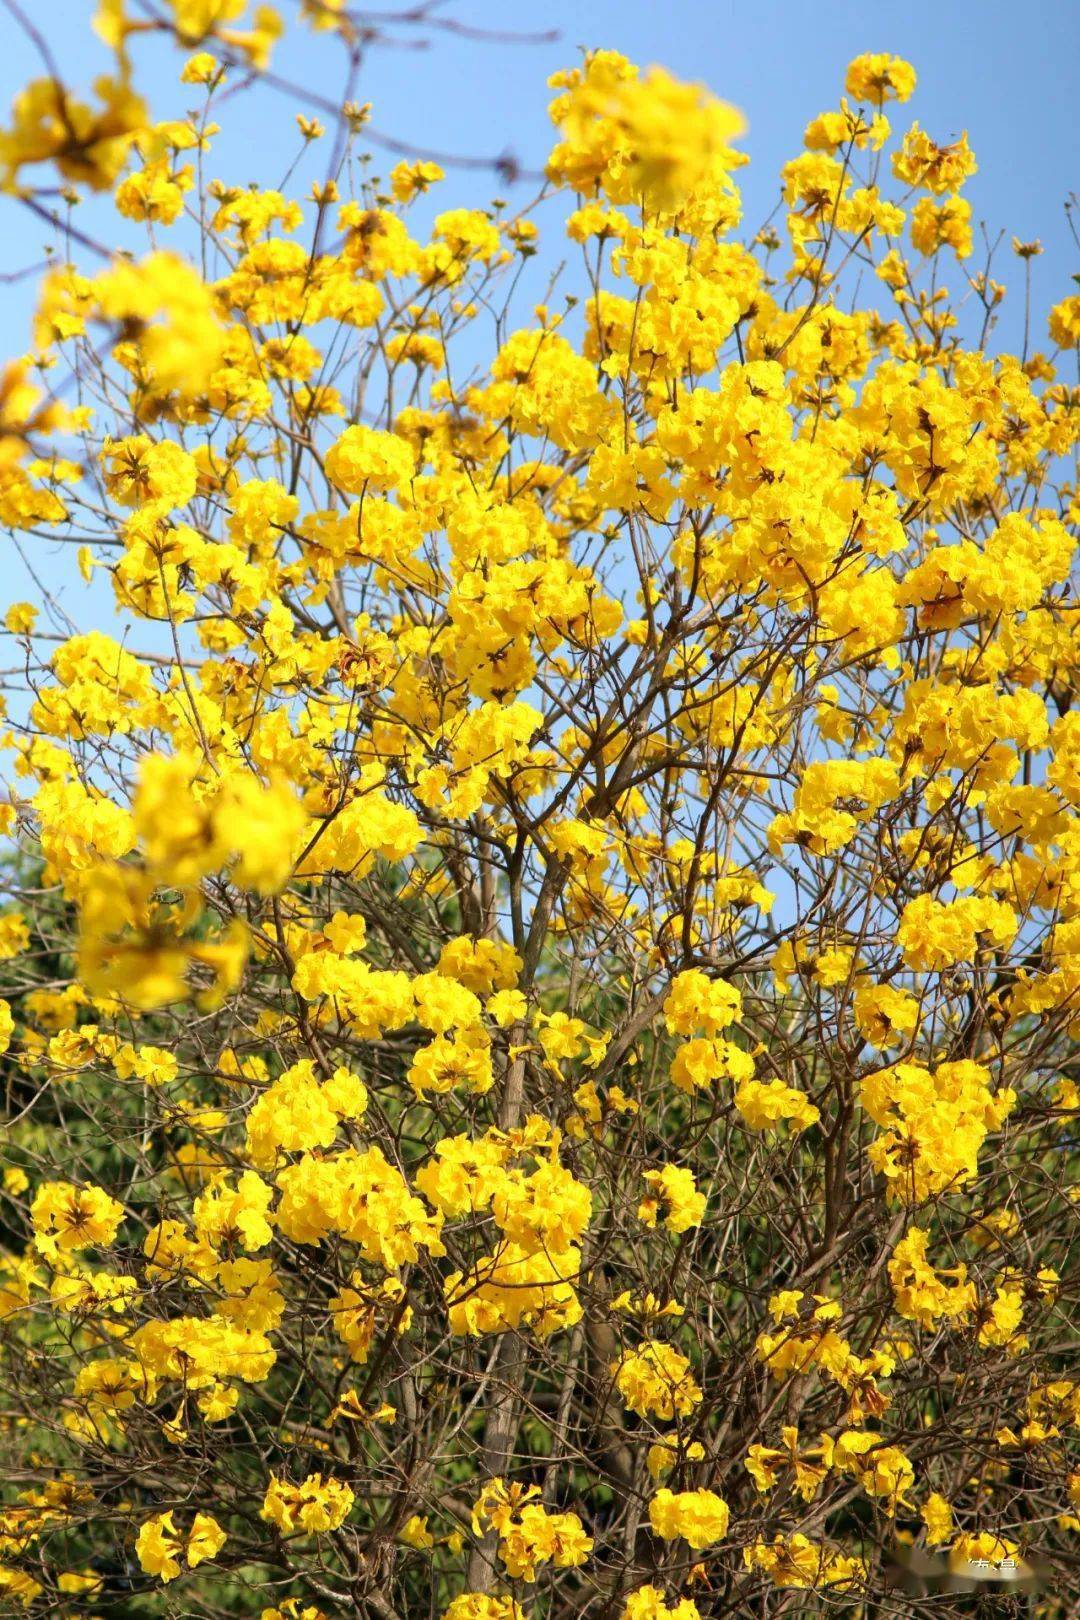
column 542, row 947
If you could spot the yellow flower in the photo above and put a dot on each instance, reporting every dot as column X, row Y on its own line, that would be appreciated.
column 20, row 618
column 313, row 1507
column 674, row 1199
column 937, row 1517
column 67, row 1218
column 699, row 1517
column 880, row 78
column 161, row 1547
column 655, row 1380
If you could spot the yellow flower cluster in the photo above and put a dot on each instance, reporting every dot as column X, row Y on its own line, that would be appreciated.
column 161, row 1547
column 933, row 1123
column 698, row 1517
column 313, row 1507
column 528, row 1534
